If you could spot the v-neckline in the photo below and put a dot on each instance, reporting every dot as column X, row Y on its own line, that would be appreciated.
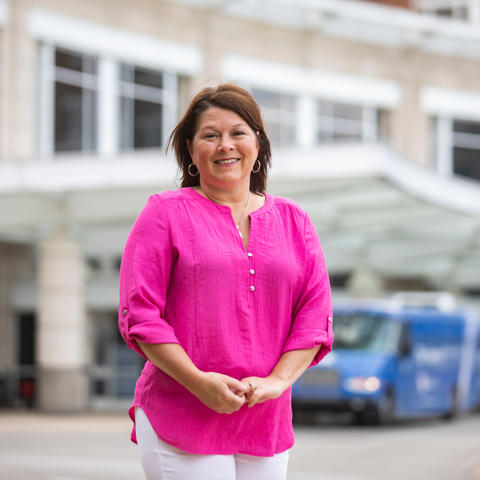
column 227, row 210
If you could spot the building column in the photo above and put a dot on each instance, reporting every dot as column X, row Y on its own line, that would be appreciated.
column 61, row 329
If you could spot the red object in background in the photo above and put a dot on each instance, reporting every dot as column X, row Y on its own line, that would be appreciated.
column 394, row 3
column 26, row 388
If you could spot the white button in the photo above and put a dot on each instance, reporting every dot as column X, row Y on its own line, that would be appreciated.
column 250, row 254
column 252, row 288
column 124, row 311
column 252, row 271
column 330, row 319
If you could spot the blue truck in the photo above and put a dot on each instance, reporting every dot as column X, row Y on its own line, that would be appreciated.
column 414, row 355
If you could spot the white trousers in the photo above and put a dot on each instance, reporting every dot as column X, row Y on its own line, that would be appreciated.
column 161, row 461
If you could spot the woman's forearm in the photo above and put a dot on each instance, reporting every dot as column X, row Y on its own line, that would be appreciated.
column 292, row 364
column 172, row 359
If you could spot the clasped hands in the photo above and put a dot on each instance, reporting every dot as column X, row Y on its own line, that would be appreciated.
column 225, row 394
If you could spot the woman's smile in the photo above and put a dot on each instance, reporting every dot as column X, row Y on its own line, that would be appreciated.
column 226, row 162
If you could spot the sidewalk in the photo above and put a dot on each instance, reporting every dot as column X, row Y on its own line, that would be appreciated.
column 97, row 446
column 52, row 447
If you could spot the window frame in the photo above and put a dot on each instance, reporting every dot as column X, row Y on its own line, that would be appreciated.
column 445, row 142
column 107, row 102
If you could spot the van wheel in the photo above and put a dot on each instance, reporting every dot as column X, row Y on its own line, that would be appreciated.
column 384, row 413
column 454, row 410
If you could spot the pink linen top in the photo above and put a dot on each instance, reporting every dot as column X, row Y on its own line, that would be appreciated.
column 187, row 278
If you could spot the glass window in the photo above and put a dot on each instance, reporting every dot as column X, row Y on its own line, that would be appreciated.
column 279, row 114
column 115, row 368
column 142, row 108
column 342, row 122
column 457, row 9
column 75, row 126
column 358, row 331
column 466, row 148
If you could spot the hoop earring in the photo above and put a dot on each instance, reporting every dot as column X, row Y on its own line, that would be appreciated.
column 259, row 166
column 190, row 173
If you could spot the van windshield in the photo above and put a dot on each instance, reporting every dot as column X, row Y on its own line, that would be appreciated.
column 360, row 331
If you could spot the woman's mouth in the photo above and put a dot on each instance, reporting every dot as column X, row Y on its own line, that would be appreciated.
column 227, row 161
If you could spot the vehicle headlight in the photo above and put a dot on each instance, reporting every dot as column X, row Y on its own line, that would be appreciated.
column 362, row 384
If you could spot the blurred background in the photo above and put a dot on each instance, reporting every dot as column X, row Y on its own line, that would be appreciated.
column 372, row 108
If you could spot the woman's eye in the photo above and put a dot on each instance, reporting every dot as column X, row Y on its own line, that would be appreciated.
column 239, row 132
column 210, row 135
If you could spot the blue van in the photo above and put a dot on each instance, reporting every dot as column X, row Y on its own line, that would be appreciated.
column 413, row 356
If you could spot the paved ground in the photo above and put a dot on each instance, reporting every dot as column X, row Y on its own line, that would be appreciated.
column 97, row 447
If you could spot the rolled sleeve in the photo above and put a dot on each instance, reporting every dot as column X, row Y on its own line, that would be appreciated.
column 312, row 321
column 145, row 272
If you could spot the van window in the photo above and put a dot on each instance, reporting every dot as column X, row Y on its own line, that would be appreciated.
column 358, row 331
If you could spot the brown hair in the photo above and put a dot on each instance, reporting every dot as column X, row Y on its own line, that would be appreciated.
column 228, row 97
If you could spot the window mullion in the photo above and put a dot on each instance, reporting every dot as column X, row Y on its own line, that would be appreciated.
column 107, row 111
column 47, row 99
column 369, row 124
column 306, row 127
column 170, row 102
column 444, row 143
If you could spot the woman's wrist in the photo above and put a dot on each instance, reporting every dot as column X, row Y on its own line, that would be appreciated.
column 194, row 380
column 280, row 382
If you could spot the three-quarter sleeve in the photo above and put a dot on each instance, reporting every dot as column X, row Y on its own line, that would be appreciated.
column 312, row 314
column 145, row 271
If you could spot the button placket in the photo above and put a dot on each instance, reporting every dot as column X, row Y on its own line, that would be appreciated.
column 251, row 272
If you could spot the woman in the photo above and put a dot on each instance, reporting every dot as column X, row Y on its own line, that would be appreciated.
column 224, row 290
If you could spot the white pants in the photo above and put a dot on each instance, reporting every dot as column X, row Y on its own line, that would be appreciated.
column 162, row 461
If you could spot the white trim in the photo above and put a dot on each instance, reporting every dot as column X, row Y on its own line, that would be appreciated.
column 369, row 124
column 46, row 101
column 451, row 103
column 452, row 193
column 286, row 78
column 169, row 105
column 3, row 13
column 357, row 21
column 307, row 119
column 474, row 11
column 101, row 40
column 108, row 103
column 85, row 172
column 443, row 140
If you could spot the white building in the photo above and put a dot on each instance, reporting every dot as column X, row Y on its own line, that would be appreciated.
column 373, row 113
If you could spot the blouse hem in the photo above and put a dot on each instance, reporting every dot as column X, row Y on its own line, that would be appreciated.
column 200, row 451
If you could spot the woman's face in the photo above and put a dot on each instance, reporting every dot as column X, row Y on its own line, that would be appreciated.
column 224, row 149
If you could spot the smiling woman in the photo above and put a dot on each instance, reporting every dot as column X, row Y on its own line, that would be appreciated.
column 237, row 107
column 227, row 322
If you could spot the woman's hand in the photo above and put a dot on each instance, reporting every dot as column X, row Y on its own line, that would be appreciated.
column 220, row 392
column 261, row 389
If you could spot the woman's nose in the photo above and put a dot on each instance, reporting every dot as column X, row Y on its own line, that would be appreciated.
column 225, row 143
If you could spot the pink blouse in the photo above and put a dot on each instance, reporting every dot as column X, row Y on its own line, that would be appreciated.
column 187, row 278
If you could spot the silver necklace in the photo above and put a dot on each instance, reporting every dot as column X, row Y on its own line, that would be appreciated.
column 241, row 216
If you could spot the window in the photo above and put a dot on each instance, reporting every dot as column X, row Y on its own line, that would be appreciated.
column 98, row 105
column 466, row 148
column 75, row 97
column 279, row 114
column 342, row 122
column 142, row 115
column 365, row 331
column 115, row 368
column 456, row 9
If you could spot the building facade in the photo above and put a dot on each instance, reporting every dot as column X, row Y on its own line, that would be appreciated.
column 374, row 117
